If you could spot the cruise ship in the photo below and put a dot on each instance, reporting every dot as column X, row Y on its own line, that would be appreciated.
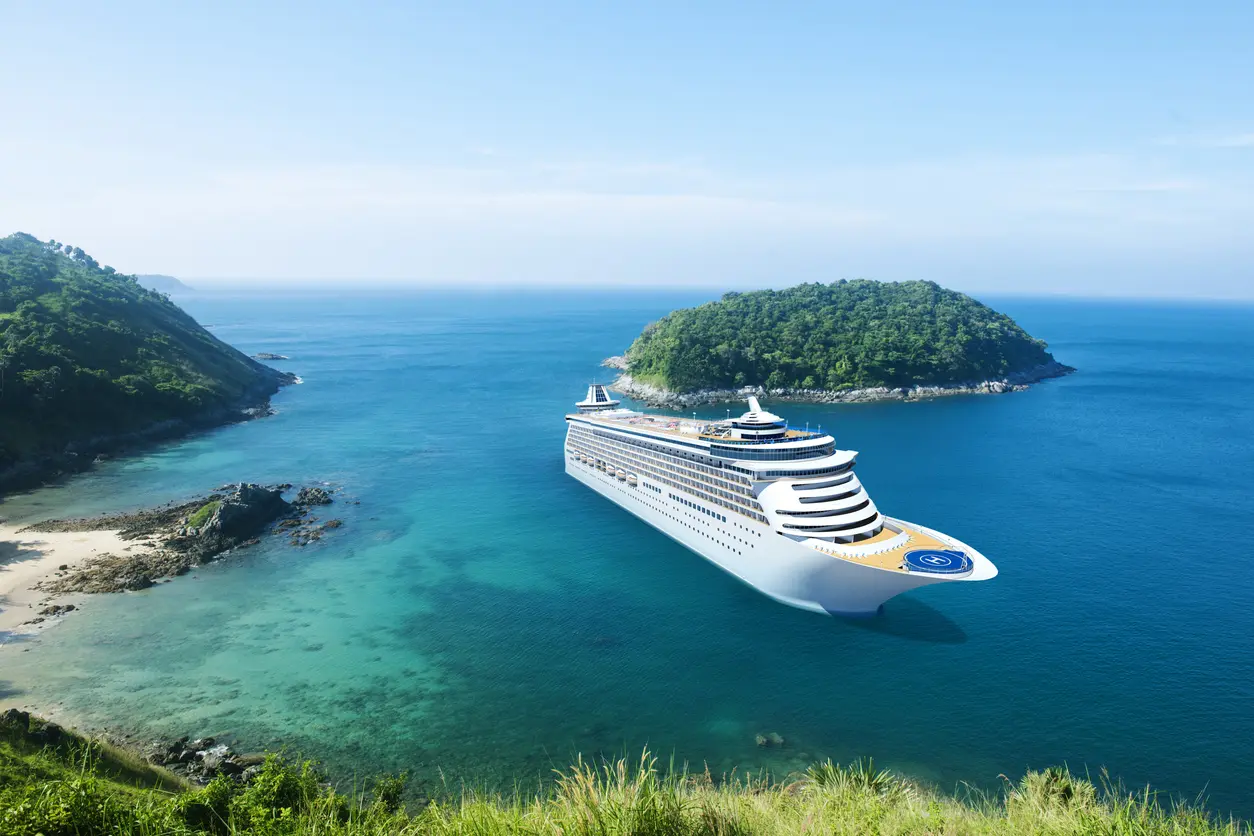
column 781, row 509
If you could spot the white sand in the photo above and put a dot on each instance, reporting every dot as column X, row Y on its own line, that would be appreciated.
column 28, row 558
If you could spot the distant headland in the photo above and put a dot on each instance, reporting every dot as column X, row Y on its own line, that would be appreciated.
column 163, row 284
column 848, row 341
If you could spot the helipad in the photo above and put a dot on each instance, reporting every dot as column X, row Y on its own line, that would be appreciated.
column 937, row 561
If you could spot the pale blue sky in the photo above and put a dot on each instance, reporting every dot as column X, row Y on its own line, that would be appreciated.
column 1097, row 148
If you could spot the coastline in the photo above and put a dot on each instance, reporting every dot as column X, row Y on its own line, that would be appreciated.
column 56, row 560
column 34, row 471
column 28, row 558
column 658, row 397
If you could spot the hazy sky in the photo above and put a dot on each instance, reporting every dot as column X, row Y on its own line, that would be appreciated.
column 1095, row 147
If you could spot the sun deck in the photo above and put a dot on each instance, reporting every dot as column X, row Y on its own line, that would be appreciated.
column 653, row 423
column 895, row 557
column 685, row 427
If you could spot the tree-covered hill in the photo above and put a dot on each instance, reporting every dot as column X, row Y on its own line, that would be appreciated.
column 87, row 353
column 846, row 335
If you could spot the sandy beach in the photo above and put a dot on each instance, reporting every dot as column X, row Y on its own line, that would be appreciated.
column 27, row 558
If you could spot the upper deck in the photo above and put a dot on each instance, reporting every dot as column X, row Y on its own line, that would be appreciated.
column 674, row 425
column 630, row 419
column 687, row 428
column 724, row 440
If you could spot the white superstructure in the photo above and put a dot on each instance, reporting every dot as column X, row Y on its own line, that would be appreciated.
column 780, row 509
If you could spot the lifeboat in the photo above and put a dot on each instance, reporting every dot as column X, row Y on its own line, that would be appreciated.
column 632, row 480
column 621, row 474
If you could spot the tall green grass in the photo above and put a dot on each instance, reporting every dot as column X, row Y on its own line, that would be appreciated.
column 591, row 799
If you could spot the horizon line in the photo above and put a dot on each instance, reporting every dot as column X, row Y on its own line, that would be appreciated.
column 219, row 284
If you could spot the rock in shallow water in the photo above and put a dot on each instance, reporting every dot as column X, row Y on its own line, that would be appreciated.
column 306, row 497
column 769, row 740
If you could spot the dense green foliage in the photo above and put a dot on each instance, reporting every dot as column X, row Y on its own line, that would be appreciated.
column 86, row 351
column 69, row 790
column 850, row 334
column 62, row 784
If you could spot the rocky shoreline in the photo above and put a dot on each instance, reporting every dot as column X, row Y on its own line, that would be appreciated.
column 174, row 539
column 196, row 761
column 170, row 541
column 33, row 471
column 655, row 396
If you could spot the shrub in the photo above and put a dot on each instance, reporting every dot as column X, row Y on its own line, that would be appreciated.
column 388, row 792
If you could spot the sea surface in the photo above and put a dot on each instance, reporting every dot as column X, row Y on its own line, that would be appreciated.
column 482, row 617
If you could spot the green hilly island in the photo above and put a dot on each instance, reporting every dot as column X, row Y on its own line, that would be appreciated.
column 836, row 337
column 89, row 358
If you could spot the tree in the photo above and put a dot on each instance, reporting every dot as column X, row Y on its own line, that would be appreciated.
column 87, row 352
column 850, row 334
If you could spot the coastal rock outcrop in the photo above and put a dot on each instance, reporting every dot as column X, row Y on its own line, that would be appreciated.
column 33, row 729
column 176, row 538
column 202, row 760
column 655, row 396
column 231, row 519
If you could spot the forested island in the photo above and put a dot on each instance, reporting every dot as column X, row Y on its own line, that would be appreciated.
column 91, row 360
column 849, row 340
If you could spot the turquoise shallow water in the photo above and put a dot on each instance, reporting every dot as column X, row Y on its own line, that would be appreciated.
column 483, row 614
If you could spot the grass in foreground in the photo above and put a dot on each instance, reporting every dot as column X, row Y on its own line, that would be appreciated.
column 84, row 790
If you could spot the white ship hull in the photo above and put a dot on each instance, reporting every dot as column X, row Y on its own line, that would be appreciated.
column 783, row 569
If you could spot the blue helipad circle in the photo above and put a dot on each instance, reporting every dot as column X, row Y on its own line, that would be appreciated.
column 938, row 561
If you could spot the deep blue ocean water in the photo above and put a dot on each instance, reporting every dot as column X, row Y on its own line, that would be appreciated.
column 483, row 616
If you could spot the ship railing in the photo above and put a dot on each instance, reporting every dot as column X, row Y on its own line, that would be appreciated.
column 803, row 437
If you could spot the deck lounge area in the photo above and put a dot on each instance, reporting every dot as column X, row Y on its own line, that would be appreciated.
column 894, row 558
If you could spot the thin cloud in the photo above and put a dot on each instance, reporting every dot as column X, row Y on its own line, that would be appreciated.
column 1163, row 186
column 1245, row 140
column 513, row 220
column 1238, row 141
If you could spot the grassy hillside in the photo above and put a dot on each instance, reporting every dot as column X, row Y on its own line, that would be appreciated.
column 87, row 352
column 846, row 335
column 74, row 788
